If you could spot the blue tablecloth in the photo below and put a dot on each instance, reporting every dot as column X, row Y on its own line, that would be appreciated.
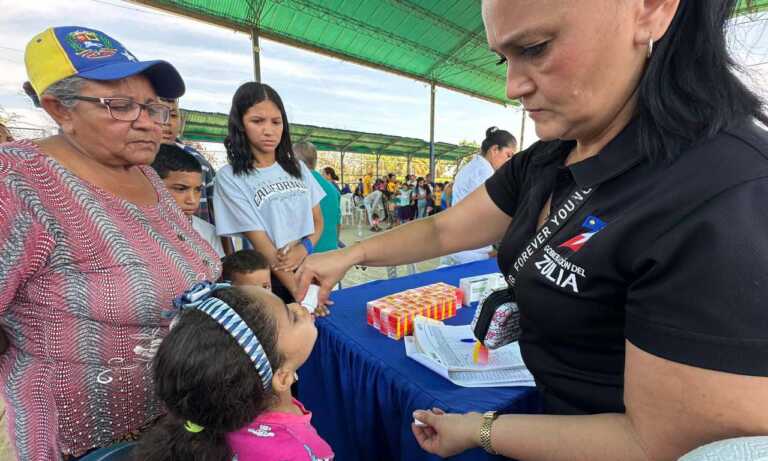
column 362, row 389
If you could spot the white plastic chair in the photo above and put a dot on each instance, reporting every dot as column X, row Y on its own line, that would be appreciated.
column 347, row 209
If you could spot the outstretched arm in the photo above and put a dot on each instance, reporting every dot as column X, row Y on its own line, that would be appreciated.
column 473, row 223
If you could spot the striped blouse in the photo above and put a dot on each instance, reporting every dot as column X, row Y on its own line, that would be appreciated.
column 84, row 276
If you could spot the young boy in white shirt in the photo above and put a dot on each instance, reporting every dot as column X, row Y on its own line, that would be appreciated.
column 183, row 177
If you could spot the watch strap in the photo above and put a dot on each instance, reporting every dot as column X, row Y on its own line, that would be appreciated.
column 485, row 431
column 307, row 245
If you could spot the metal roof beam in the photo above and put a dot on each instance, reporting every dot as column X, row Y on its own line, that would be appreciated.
column 452, row 54
column 391, row 143
column 307, row 134
column 343, row 20
column 435, row 18
column 357, row 138
column 453, row 149
column 255, row 7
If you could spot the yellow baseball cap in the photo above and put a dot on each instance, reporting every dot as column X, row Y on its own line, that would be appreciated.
column 60, row 52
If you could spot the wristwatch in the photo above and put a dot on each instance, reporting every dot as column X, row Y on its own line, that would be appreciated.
column 485, row 431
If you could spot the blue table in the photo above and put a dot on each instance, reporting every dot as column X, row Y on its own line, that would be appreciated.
column 362, row 389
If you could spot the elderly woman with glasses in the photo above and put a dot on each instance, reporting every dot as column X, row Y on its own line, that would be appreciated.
column 92, row 248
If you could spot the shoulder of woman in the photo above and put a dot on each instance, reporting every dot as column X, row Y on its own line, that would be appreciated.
column 16, row 156
column 746, row 140
column 733, row 156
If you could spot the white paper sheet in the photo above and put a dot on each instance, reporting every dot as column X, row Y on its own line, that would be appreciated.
column 447, row 350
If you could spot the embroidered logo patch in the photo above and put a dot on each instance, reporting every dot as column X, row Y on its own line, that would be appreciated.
column 556, row 267
column 592, row 224
column 90, row 45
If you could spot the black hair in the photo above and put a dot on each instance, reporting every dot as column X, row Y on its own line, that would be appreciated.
column 689, row 91
column 497, row 137
column 426, row 185
column 238, row 147
column 242, row 261
column 331, row 172
column 202, row 375
column 172, row 158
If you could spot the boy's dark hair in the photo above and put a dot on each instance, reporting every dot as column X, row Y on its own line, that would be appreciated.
column 242, row 261
column 202, row 375
column 172, row 158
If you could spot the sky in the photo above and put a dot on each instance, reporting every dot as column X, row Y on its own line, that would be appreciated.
column 317, row 90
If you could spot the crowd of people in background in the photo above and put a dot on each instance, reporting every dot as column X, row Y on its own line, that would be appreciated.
column 389, row 201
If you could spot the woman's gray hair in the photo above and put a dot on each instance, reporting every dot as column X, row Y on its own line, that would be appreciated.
column 65, row 90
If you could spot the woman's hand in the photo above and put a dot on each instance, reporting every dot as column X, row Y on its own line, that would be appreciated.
column 447, row 434
column 324, row 269
column 323, row 310
column 291, row 259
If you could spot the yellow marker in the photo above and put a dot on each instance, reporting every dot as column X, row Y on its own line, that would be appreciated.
column 480, row 353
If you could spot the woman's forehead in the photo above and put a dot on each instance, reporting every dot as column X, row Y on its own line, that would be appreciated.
column 265, row 107
column 136, row 86
column 518, row 22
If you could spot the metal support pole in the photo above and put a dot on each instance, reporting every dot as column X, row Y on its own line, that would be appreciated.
column 342, row 169
column 408, row 166
column 522, row 130
column 378, row 157
column 432, row 131
column 256, row 55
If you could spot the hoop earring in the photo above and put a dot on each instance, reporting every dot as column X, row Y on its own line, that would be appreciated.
column 650, row 47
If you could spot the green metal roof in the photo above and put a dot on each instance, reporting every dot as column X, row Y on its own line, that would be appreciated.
column 212, row 127
column 750, row 6
column 440, row 41
column 436, row 41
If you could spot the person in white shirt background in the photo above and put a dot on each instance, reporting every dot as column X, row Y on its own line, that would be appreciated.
column 497, row 147
column 182, row 175
column 372, row 202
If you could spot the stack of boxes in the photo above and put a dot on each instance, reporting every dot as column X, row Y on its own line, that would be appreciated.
column 393, row 315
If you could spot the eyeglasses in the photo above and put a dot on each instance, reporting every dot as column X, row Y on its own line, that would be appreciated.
column 128, row 110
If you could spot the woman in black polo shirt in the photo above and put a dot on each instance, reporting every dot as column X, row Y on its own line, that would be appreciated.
column 634, row 234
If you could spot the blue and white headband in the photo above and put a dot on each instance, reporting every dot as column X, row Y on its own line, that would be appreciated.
column 200, row 297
